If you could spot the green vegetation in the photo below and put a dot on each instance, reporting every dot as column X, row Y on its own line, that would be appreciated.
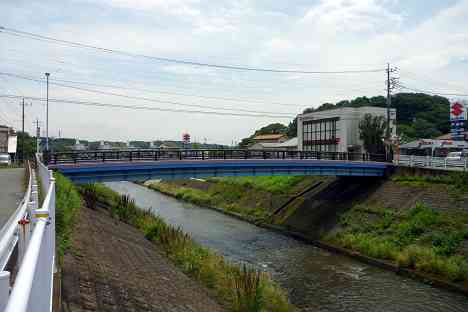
column 420, row 238
column 67, row 205
column 242, row 288
column 371, row 131
column 228, row 201
column 274, row 185
column 252, row 197
column 457, row 182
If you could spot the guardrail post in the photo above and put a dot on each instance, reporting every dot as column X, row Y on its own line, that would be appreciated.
column 411, row 160
column 4, row 288
column 23, row 238
column 445, row 163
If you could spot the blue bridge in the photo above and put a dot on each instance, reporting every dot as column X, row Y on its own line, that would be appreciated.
column 140, row 165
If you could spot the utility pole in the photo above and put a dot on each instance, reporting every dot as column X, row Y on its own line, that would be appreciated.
column 47, row 113
column 391, row 84
column 23, row 104
column 389, row 102
column 22, row 135
column 38, row 136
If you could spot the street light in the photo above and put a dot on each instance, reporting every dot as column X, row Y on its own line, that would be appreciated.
column 47, row 113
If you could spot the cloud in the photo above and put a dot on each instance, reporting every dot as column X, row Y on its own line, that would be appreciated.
column 307, row 35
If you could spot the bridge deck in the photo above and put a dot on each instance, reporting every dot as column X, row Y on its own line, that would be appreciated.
column 93, row 171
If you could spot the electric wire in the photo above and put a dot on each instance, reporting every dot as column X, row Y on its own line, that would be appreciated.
column 141, row 107
column 139, row 97
column 432, row 91
column 12, row 31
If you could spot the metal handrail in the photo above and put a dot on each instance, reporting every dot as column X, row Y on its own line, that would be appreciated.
column 8, row 237
column 202, row 154
column 21, row 293
column 33, row 287
column 431, row 162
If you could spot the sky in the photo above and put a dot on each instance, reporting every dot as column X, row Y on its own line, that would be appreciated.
column 426, row 40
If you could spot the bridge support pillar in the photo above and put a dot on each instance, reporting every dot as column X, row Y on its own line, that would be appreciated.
column 4, row 289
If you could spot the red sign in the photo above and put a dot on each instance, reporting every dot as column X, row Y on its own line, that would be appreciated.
column 457, row 109
column 186, row 137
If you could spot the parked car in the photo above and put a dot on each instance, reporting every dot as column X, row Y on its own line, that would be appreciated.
column 5, row 159
column 455, row 156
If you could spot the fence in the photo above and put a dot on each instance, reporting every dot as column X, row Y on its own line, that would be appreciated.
column 201, row 154
column 35, row 231
column 432, row 162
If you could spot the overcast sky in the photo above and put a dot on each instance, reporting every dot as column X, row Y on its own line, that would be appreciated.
column 426, row 39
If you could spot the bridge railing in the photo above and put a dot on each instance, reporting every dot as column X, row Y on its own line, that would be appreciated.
column 33, row 286
column 201, row 154
column 432, row 162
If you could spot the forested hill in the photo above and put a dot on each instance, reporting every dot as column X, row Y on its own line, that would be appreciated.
column 418, row 115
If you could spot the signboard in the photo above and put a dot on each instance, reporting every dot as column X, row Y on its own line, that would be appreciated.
column 458, row 116
column 186, row 138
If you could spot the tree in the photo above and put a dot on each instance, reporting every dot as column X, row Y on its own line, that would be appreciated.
column 371, row 132
column 292, row 128
column 274, row 128
column 29, row 145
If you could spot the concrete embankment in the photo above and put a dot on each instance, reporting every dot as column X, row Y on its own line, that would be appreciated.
column 111, row 266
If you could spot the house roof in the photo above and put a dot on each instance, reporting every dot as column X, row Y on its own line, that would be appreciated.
column 268, row 136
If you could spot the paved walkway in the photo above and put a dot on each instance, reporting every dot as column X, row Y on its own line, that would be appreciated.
column 11, row 192
column 112, row 267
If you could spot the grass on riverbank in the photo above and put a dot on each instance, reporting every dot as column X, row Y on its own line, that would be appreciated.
column 242, row 288
column 67, row 206
column 456, row 181
column 420, row 238
column 252, row 197
column 274, row 185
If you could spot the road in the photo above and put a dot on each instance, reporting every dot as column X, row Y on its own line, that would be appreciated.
column 11, row 192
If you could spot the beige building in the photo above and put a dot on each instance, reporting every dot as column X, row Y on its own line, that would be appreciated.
column 289, row 145
column 270, row 138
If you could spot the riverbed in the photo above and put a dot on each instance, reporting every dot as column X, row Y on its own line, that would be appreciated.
column 316, row 280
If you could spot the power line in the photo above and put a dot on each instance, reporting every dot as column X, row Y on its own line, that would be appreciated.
column 141, row 107
column 432, row 92
column 139, row 97
column 15, row 32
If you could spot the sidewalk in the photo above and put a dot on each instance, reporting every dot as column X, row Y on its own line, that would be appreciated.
column 11, row 192
column 112, row 267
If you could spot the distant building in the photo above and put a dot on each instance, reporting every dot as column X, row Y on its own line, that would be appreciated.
column 168, row 145
column 104, row 146
column 78, row 146
column 337, row 130
column 270, row 138
column 8, row 140
column 289, row 145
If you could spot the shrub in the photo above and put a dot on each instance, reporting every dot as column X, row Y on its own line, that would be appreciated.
column 67, row 205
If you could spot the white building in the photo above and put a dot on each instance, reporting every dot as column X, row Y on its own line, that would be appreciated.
column 337, row 130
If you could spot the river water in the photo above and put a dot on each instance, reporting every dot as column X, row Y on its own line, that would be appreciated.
column 315, row 279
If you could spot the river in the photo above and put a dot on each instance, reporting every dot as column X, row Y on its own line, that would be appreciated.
column 315, row 279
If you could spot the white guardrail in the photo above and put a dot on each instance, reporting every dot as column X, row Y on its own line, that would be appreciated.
column 432, row 162
column 32, row 230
